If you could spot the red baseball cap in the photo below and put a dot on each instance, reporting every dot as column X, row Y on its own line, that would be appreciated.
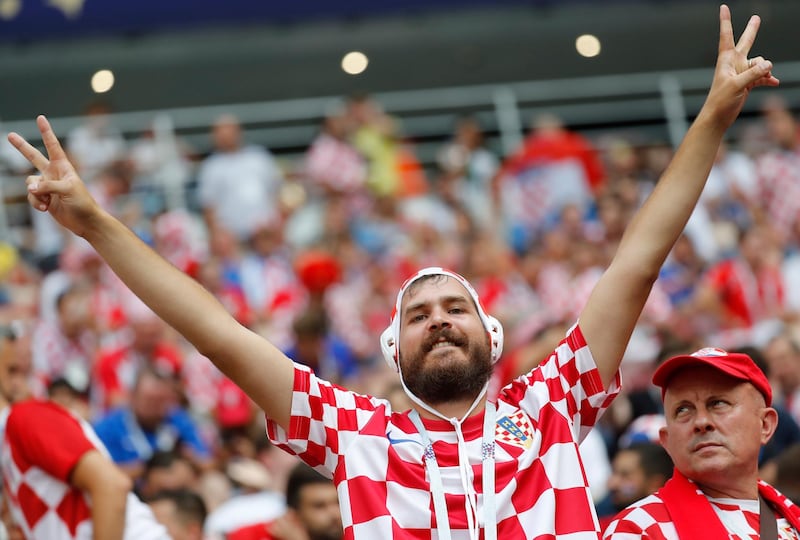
column 737, row 365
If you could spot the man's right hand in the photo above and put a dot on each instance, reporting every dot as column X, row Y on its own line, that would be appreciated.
column 57, row 189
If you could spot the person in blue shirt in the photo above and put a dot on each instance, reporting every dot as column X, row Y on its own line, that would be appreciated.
column 153, row 422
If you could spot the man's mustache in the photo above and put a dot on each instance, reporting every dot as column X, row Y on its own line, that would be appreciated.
column 445, row 334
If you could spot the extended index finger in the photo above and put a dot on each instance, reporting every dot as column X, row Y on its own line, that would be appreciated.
column 725, row 29
column 54, row 150
column 26, row 149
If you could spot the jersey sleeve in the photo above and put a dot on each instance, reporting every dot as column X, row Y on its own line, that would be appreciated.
column 46, row 436
column 325, row 419
column 569, row 381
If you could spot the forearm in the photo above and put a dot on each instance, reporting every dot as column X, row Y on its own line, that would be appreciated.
column 175, row 297
column 253, row 363
column 655, row 228
column 107, row 488
column 108, row 514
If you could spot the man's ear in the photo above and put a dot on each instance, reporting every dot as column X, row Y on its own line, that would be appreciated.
column 769, row 422
column 663, row 436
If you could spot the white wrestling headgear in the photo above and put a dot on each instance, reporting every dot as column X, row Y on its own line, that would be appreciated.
column 391, row 336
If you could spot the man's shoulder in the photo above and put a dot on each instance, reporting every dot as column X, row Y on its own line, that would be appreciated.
column 33, row 411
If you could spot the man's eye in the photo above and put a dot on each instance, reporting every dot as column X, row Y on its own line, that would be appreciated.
column 682, row 410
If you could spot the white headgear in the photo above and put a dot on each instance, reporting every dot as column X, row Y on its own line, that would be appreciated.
column 390, row 337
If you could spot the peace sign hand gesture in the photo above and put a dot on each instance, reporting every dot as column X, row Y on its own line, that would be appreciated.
column 57, row 189
column 735, row 75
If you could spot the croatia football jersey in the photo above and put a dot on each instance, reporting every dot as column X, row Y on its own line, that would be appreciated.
column 42, row 443
column 375, row 455
column 649, row 518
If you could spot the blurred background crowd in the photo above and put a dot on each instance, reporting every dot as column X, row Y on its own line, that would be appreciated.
column 310, row 251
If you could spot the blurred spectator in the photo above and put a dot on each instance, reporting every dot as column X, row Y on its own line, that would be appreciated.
column 112, row 190
column 162, row 166
column 167, row 471
column 787, row 433
column 237, row 183
column 146, row 346
column 95, row 143
column 332, row 164
column 182, row 512
column 746, row 290
column 313, row 512
column 731, row 189
column 66, row 347
column 787, row 473
column 178, row 237
column 467, row 169
column 154, row 422
column 316, row 347
column 211, row 275
column 71, row 396
column 782, row 355
column 255, row 502
column 778, row 170
column 643, row 429
column 637, row 471
column 681, row 272
column 273, row 292
column 553, row 167
column 393, row 168
column 81, row 266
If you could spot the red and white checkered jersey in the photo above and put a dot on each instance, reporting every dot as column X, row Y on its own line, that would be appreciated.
column 375, row 456
column 779, row 189
column 649, row 518
column 42, row 443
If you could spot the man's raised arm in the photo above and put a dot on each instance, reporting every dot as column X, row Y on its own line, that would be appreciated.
column 249, row 360
column 615, row 304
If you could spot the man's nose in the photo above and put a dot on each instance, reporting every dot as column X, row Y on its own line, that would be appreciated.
column 439, row 319
column 702, row 422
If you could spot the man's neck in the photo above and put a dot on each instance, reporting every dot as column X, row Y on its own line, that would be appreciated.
column 740, row 489
column 452, row 409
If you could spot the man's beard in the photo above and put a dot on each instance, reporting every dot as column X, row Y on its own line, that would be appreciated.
column 446, row 380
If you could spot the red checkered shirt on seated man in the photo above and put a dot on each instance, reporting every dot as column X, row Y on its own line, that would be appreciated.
column 41, row 444
column 375, row 455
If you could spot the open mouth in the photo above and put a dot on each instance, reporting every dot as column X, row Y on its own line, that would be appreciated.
column 442, row 342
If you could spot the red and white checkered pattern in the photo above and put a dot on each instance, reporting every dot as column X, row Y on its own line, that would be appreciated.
column 375, row 456
column 115, row 371
column 335, row 164
column 53, row 353
column 779, row 189
column 42, row 443
column 746, row 296
column 649, row 518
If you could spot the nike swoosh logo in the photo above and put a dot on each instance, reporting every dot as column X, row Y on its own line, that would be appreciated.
column 398, row 441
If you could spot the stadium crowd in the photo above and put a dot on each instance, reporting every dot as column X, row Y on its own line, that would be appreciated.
column 311, row 253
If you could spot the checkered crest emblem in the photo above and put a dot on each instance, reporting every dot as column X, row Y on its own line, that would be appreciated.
column 515, row 429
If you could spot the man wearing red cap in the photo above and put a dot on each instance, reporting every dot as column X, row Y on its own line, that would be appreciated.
column 457, row 465
column 717, row 407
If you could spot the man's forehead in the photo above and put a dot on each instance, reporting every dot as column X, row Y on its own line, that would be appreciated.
column 434, row 287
